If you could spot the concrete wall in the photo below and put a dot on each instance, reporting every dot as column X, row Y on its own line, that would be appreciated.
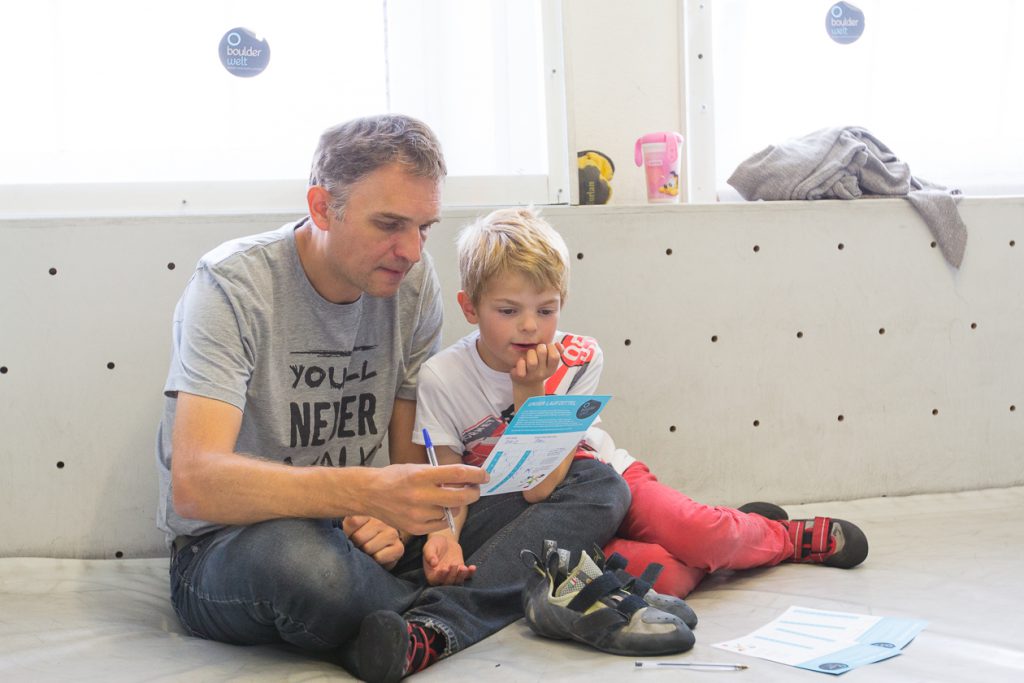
column 703, row 335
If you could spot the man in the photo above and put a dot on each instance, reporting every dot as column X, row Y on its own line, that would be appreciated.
column 301, row 347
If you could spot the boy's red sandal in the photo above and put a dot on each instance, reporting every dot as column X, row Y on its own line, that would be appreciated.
column 827, row 541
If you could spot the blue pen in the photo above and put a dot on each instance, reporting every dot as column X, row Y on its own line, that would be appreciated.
column 432, row 456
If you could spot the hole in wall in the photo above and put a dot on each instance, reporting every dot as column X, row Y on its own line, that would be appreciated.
column 110, row 366
column 170, row 266
column 757, row 423
column 974, row 326
column 840, row 418
column 668, row 252
column 3, row 370
column 757, row 248
column 119, row 554
column 579, row 256
column 1013, row 243
column 1013, row 408
column 60, row 464
column 672, row 428
column 934, row 245
column 628, row 342
column 935, row 411
column 881, row 330
column 714, row 338
column 53, row 271
column 799, row 335
column 841, row 246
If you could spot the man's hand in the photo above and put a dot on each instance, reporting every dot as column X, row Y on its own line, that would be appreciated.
column 443, row 561
column 375, row 538
column 413, row 497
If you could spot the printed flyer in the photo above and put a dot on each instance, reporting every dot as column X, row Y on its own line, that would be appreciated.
column 543, row 432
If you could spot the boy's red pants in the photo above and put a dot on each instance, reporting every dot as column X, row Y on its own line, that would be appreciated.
column 688, row 538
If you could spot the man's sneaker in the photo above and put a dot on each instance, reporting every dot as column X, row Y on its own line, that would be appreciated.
column 823, row 540
column 591, row 607
column 769, row 510
column 641, row 586
column 390, row 648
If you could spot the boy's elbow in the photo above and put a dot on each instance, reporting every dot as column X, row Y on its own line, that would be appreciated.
column 537, row 494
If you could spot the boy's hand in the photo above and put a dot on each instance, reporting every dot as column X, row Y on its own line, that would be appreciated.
column 443, row 562
column 375, row 538
column 537, row 365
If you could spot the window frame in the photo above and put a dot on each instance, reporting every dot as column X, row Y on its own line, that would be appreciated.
column 698, row 111
column 33, row 200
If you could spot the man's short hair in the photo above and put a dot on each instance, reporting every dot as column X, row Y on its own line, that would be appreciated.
column 350, row 151
column 512, row 241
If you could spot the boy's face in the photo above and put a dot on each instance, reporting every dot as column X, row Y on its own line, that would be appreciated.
column 513, row 318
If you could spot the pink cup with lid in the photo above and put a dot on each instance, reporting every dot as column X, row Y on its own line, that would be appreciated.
column 660, row 155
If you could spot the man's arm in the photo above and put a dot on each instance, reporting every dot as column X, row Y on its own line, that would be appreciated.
column 212, row 482
column 404, row 451
column 401, row 449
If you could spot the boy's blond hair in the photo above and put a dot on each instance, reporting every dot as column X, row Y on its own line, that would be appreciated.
column 512, row 241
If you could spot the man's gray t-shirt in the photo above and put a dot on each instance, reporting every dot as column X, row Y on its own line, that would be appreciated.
column 316, row 381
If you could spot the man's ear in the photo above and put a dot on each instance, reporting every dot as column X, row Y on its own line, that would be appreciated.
column 319, row 201
column 468, row 309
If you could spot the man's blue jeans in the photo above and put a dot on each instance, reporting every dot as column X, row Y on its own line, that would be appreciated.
column 302, row 582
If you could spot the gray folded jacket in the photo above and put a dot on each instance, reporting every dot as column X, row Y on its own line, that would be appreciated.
column 848, row 163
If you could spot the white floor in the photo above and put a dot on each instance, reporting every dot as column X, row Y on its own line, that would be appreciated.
column 956, row 560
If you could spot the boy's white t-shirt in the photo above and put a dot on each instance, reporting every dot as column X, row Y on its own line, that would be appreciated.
column 466, row 405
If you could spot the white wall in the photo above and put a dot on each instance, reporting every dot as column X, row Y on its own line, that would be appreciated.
column 77, row 447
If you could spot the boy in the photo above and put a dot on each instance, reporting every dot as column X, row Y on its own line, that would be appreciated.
column 514, row 272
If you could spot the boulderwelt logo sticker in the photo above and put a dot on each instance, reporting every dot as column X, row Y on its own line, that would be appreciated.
column 844, row 23
column 244, row 54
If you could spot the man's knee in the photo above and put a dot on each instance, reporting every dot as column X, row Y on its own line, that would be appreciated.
column 308, row 569
column 299, row 553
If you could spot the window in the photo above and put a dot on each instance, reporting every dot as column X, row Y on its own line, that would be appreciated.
column 122, row 104
column 938, row 81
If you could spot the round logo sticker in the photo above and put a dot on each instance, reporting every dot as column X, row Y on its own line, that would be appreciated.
column 244, row 54
column 844, row 23
column 587, row 409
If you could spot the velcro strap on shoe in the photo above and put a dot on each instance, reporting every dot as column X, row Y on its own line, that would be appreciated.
column 650, row 574
column 596, row 627
column 594, row 591
column 616, row 562
column 636, row 586
column 814, row 544
column 796, row 534
column 820, row 538
column 640, row 585
column 630, row 604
